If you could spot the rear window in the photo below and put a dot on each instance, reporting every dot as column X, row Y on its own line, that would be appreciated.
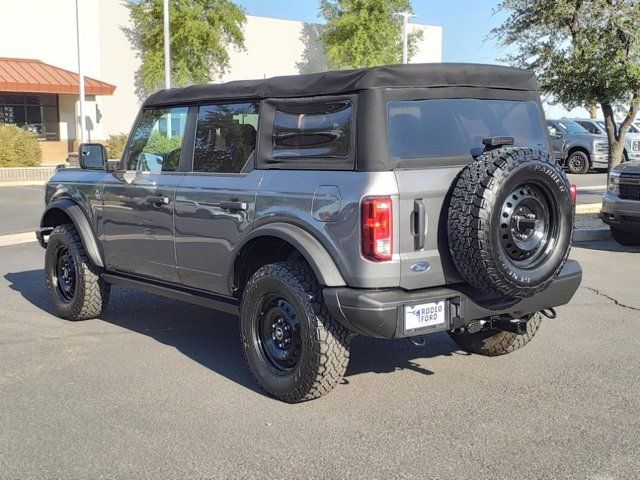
column 456, row 127
column 320, row 130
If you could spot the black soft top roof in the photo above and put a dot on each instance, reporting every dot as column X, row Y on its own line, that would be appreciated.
column 430, row 75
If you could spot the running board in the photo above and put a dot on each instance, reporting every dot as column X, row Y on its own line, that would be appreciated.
column 184, row 294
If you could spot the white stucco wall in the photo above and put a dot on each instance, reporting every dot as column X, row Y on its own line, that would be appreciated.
column 273, row 47
column 286, row 47
column 118, row 65
column 46, row 30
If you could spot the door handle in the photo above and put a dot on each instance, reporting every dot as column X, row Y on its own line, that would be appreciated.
column 419, row 220
column 234, row 205
column 158, row 200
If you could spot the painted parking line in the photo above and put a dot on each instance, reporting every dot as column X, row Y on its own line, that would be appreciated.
column 17, row 239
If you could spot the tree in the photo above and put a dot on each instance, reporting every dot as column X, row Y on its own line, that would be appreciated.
column 201, row 31
column 585, row 52
column 364, row 33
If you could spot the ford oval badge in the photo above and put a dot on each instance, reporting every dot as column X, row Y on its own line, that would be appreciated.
column 420, row 267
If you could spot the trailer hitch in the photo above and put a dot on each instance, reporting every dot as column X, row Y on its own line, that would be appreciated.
column 516, row 325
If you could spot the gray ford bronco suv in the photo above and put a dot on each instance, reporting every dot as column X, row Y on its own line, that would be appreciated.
column 391, row 202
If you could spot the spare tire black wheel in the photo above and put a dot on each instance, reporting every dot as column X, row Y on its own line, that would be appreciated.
column 510, row 222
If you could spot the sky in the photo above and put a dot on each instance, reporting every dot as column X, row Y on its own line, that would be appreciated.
column 466, row 27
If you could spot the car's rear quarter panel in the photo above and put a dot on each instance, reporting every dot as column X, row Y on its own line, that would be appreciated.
column 288, row 196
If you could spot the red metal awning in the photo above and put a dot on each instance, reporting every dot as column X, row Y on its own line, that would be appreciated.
column 34, row 76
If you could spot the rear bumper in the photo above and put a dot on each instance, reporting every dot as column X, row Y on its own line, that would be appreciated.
column 380, row 313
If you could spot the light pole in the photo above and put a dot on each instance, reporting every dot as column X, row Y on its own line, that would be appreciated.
column 405, row 34
column 83, row 125
column 167, row 51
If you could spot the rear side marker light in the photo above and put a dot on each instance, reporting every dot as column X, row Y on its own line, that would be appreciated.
column 377, row 228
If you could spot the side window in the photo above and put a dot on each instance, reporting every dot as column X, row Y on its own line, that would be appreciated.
column 157, row 140
column 225, row 137
column 313, row 130
column 589, row 126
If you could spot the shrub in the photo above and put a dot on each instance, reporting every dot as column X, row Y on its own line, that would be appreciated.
column 18, row 148
column 115, row 145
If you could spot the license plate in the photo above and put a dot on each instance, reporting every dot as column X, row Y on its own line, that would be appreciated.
column 426, row 316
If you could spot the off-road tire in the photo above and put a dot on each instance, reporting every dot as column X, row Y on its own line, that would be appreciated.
column 476, row 229
column 578, row 162
column 625, row 238
column 492, row 343
column 91, row 291
column 324, row 341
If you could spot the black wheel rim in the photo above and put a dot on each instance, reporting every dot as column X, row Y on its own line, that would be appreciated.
column 576, row 163
column 529, row 225
column 278, row 334
column 65, row 274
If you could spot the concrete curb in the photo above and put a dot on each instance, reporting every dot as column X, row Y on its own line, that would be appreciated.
column 23, row 183
column 591, row 234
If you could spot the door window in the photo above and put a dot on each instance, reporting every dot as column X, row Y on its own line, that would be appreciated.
column 156, row 144
column 225, row 137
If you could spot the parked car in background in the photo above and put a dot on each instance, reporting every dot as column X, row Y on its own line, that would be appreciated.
column 575, row 148
column 621, row 203
column 631, row 142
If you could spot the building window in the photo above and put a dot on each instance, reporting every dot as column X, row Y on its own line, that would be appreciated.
column 35, row 112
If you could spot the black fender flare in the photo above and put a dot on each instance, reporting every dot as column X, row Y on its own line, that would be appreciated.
column 79, row 219
column 311, row 249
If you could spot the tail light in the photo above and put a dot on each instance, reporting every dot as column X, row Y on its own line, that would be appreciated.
column 574, row 193
column 377, row 228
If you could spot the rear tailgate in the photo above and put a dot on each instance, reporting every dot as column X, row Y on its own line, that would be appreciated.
column 431, row 140
column 422, row 227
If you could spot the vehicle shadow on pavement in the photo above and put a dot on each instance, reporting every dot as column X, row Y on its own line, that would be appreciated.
column 212, row 339
column 387, row 356
column 606, row 246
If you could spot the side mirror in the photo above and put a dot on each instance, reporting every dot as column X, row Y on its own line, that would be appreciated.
column 558, row 134
column 92, row 156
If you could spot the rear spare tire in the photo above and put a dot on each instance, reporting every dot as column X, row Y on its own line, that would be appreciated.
column 510, row 222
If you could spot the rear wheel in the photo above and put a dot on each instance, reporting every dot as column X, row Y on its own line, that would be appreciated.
column 76, row 288
column 492, row 343
column 625, row 238
column 578, row 162
column 295, row 349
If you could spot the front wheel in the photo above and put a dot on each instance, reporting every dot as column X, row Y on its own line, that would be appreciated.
column 492, row 342
column 578, row 162
column 295, row 349
column 625, row 238
column 76, row 288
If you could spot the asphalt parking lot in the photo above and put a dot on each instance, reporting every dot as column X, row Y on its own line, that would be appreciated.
column 159, row 389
